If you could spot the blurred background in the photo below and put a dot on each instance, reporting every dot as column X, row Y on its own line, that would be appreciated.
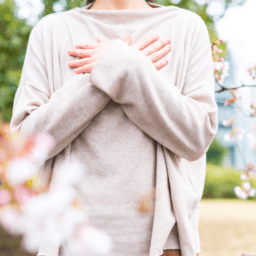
column 227, row 223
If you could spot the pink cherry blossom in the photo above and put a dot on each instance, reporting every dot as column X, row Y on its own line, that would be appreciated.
column 254, row 126
column 95, row 237
column 5, row 197
column 19, row 170
column 229, row 122
column 240, row 133
column 247, row 186
column 244, row 176
column 229, row 137
column 229, row 101
column 252, row 141
column 9, row 220
column 250, row 167
column 43, row 144
column 252, row 192
column 252, row 71
column 236, row 132
column 22, row 194
column 240, row 193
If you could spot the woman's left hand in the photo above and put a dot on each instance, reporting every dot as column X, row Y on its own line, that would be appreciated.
column 89, row 54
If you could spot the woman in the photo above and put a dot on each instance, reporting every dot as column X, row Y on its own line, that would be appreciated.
column 137, row 123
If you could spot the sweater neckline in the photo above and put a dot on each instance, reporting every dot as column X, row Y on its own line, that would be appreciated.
column 156, row 8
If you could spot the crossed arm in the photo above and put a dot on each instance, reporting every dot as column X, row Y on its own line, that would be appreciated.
column 65, row 113
column 183, row 123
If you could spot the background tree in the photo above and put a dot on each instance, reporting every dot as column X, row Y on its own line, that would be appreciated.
column 14, row 34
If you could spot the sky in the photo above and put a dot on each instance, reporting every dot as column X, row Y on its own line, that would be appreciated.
column 237, row 28
column 30, row 9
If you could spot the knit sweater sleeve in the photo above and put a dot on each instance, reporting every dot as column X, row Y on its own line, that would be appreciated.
column 183, row 122
column 63, row 114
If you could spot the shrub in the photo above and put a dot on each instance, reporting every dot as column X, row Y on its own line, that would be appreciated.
column 216, row 152
column 220, row 182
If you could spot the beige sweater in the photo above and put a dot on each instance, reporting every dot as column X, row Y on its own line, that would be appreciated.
column 133, row 127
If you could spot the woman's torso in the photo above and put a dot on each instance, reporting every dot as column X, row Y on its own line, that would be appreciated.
column 118, row 158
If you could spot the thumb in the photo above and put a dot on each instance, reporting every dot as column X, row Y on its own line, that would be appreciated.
column 128, row 40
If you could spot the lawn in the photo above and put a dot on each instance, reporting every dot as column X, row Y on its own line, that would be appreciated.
column 227, row 227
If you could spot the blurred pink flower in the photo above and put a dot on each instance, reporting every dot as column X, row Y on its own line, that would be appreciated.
column 221, row 68
column 250, row 167
column 247, row 186
column 252, row 141
column 231, row 136
column 229, row 122
column 252, row 192
column 9, row 220
column 5, row 197
column 240, row 133
column 99, row 241
column 240, row 193
column 22, row 194
column 254, row 126
column 19, row 170
column 245, row 191
column 229, row 101
column 252, row 70
column 43, row 144
column 244, row 176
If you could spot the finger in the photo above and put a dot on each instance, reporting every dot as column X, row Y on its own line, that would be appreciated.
column 156, row 46
column 90, row 45
column 159, row 54
column 101, row 40
column 79, row 63
column 161, row 64
column 128, row 40
column 83, row 53
column 143, row 43
column 84, row 69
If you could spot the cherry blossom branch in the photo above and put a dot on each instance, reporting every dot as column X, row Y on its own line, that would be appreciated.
column 223, row 88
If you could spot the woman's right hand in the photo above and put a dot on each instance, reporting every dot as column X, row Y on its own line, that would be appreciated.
column 155, row 51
